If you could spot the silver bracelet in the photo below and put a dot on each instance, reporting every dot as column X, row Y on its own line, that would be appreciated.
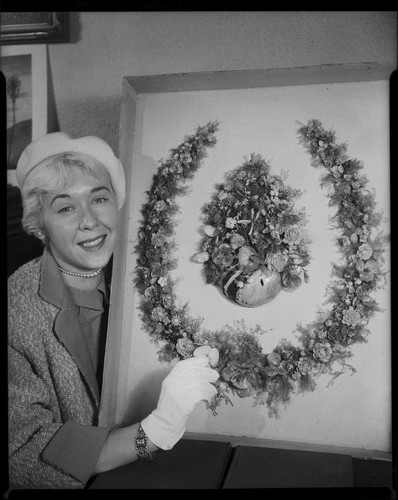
column 141, row 446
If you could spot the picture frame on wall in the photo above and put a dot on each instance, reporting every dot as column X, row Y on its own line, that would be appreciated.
column 25, row 71
column 34, row 27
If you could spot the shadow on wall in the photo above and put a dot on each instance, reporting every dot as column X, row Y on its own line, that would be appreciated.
column 94, row 116
column 146, row 395
column 52, row 116
column 74, row 27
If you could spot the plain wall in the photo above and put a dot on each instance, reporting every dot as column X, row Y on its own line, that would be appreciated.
column 86, row 73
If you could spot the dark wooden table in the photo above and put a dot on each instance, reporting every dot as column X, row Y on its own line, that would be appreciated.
column 196, row 464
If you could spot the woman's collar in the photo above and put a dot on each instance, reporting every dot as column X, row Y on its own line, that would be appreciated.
column 52, row 286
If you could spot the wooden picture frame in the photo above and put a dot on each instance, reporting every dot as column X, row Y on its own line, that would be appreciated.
column 120, row 402
column 25, row 66
column 34, row 27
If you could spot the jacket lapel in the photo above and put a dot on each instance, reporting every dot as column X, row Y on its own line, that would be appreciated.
column 67, row 327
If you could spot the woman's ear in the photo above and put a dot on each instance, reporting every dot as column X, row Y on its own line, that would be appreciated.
column 39, row 234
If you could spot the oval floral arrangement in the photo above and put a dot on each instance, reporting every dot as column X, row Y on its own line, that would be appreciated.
column 254, row 244
column 323, row 346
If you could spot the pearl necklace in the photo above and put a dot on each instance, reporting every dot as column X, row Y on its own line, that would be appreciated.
column 93, row 274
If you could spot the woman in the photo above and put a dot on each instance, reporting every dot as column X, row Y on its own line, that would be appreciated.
column 72, row 191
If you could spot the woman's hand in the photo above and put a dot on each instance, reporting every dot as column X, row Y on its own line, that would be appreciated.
column 189, row 382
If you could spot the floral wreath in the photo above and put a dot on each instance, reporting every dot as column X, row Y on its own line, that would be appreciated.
column 255, row 244
column 245, row 370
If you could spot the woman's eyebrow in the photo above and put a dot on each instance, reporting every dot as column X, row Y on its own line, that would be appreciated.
column 59, row 196
column 99, row 188
column 94, row 190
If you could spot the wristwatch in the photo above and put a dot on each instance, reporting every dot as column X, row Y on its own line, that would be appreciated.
column 141, row 446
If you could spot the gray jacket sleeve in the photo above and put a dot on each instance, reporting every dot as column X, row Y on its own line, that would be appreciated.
column 44, row 453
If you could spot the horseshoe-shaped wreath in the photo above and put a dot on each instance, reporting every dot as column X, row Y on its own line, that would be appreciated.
column 245, row 370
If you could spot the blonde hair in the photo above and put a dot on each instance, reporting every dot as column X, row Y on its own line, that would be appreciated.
column 51, row 175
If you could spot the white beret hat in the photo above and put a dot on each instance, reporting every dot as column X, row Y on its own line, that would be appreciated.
column 58, row 143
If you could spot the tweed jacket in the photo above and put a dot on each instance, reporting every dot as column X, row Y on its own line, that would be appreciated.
column 54, row 438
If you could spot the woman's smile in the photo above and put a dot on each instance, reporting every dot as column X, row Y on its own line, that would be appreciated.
column 93, row 244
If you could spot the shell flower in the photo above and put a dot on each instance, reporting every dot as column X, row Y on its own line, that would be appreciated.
column 304, row 366
column 222, row 195
column 364, row 251
column 274, row 358
column 160, row 314
column 351, row 317
column 248, row 259
column 292, row 235
column 337, row 170
column 162, row 281
column 295, row 270
column 185, row 347
column 150, row 292
column 175, row 321
column 243, row 378
column 223, row 255
column 370, row 270
column 160, row 206
column 322, row 351
column 321, row 334
column 344, row 241
column 237, row 240
column 290, row 281
column 230, row 222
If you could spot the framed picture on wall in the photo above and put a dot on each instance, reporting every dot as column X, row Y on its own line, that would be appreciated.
column 33, row 27
column 25, row 71
column 235, row 245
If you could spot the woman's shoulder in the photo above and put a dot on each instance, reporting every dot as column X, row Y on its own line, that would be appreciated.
column 25, row 279
column 27, row 311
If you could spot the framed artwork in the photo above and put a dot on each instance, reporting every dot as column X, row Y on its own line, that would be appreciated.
column 226, row 172
column 33, row 27
column 25, row 71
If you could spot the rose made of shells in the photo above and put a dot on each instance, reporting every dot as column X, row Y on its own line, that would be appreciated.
column 244, row 378
column 351, row 317
column 187, row 348
column 322, row 351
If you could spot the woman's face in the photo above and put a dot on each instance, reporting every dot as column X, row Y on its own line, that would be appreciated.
column 81, row 223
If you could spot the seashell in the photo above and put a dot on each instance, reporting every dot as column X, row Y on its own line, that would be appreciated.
column 297, row 259
column 248, row 258
column 261, row 287
column 274, row 359
column 210, row 230
column 237, row 241
column 201, row 257
column 354, row 237
column 203, row 350
column 372, row 265
column 296, row 270
column 244, row 393
column 290, row 282
column 213, row 357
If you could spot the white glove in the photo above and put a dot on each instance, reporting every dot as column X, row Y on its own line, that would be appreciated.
column 188, row 383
